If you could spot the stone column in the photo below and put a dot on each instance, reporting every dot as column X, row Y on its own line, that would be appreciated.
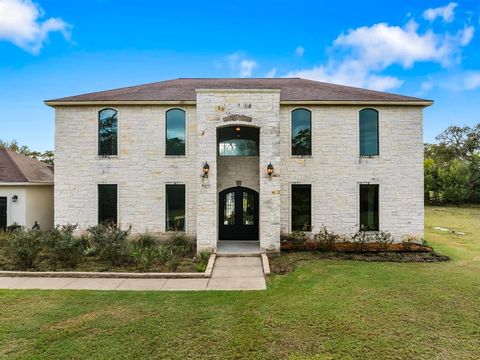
column 230, row 107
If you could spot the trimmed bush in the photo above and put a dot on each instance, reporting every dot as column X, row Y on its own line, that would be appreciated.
column 110, row 242
column 23, row 247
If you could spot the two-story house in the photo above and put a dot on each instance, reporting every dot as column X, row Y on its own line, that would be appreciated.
column 240, row 159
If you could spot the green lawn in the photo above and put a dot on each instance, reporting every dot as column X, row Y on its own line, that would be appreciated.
column 324, row 310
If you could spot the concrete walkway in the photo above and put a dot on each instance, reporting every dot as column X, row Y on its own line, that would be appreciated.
column 229, row 273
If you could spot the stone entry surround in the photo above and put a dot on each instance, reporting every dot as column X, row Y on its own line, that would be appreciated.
column 227, row 107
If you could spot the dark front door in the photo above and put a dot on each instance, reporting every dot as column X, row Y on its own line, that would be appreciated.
column 238, row 214
column 3, row 213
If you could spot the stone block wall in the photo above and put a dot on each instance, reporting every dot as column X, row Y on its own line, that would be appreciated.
column 335, row 169
column 232, row 169
column 141, row 168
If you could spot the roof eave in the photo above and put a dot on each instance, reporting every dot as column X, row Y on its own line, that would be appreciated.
column 424, row 103
column 53, row 103
column 25, row 183
column 419, row 102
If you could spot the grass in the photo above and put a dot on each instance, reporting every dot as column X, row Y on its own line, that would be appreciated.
column 325, row 309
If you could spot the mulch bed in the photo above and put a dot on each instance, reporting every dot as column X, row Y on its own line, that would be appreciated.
column 354, row 247
column 288, row 260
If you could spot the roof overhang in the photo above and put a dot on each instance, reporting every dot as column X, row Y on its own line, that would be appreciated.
column 357, row 102
column 53, row 103
column 26, row 183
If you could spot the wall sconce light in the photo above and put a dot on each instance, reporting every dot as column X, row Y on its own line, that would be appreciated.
column 206, row 169
column 14, row 198
column 270, row 169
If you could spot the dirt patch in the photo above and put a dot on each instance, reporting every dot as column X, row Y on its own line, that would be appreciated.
column 116, row 312
column 286, row 262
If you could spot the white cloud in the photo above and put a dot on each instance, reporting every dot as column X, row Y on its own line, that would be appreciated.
column 246, row 67
column 467, row 35
column 241, row 64
column 271, row 73
column 471, row 80
column 20, row 24
column 299, row 51
column 426, row 86
column 360, row 54
column 447, row 13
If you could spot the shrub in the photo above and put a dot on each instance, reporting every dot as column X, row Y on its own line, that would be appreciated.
column 23, row 247
column 110, row 242
column 326, row 239
column 144, row 251
column 62, row 246
column 172, row 263
column 180, row 244
column 297, row 237
column 383, row 239
column 204, row 257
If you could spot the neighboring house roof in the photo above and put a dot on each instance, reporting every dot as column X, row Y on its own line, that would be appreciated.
column 18, row 168
column 292, row 89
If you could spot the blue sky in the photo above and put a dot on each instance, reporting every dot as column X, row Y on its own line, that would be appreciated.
column 51, row 48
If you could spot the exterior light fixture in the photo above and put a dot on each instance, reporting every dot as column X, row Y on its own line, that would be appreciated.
column 206, row 169
column 237, row 128
column 270, row 169
column 14, row 198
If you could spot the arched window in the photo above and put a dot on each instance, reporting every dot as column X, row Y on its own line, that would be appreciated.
column 368, row 132
column 301, row 132
column 175, row 132
column 107, row 132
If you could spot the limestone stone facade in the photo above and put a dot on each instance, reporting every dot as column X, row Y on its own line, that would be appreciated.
column 335, row 169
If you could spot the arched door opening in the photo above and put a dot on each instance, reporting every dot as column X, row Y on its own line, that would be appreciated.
column 238, row 215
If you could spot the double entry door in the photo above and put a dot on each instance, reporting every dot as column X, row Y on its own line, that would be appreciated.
column 238, row 214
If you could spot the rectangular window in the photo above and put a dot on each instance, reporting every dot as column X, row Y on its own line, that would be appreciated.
column 301, row 207
column 175, row 208
column 107, row 203
column 369, row 208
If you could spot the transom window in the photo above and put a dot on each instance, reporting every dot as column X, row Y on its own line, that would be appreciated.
column 301, row 132
column 301, row 207
column 368, row 132
column 369, row 207
column 107, row 132
column 175, row 132
column 238, row 141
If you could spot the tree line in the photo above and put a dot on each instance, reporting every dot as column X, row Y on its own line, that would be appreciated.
column 452, row 167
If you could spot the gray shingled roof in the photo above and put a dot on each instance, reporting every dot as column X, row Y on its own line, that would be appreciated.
column 292, row 89
column 15, row 167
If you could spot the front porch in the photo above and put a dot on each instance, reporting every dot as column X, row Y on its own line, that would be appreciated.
column 238, row 248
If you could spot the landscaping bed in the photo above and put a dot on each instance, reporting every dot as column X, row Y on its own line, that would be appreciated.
column 363, row 245
column 287, row 261
column 102, row 248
